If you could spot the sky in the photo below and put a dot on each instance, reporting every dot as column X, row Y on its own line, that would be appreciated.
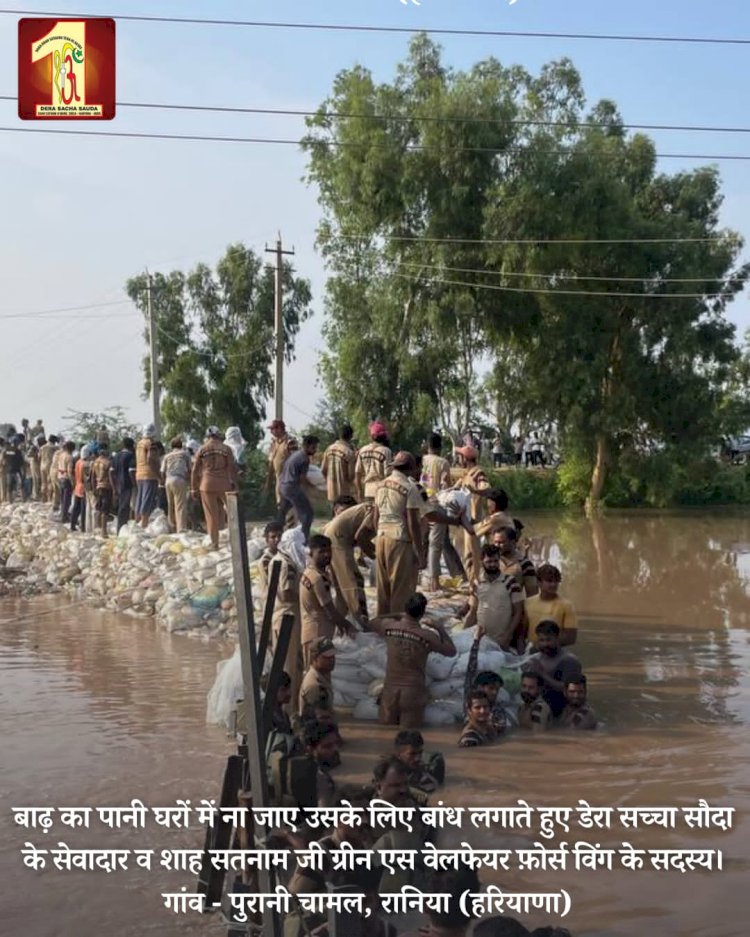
column 82, row 215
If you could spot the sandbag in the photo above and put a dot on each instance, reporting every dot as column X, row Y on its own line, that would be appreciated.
column 225, row 692
column 366, row 708
column 209, row 597
column 316, row 477
column 436, row 715
column 439, row 667
column 446, row 689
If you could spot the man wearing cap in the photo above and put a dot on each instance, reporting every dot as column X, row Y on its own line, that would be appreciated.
column 316, row 692
column 281, row 447
column 339, row 461
column 214, row 474
column 398, row 550
column 351, row 527
column 373, row 463
column 320, row 617
column 147, row 467
column 474, row 480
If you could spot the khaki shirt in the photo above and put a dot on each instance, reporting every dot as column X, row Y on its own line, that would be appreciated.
column 315, row 602
column 475, row 480
column 45, row 455
column 372, row 467
column 339, row 461
column 287, row 591
column 316, row 693
column 578, row 717
column 146, row 460
column 55, row 464
column 407, row 649
column 343, row 528
column 100, row 472
column 214, row 468
column 277, row 456
column 535, row 716
column 397, row 495
column 65, row 466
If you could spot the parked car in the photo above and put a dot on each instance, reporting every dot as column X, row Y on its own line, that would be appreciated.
column 738, row 448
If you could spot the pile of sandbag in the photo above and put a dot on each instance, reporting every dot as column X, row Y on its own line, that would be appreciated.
column 175, row 578
column 360, row 672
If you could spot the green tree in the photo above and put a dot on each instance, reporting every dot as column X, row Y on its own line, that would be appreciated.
column 82, row 425
column 215, row 340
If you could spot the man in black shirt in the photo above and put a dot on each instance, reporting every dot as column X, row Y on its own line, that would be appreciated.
column 123, row 467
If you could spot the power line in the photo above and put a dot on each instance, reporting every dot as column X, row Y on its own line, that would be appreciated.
column 52, row 312
column 437, row 31
column 568, row 276
column 415, row 118
column 447, row 240
column 279, row 141
column 531, row 289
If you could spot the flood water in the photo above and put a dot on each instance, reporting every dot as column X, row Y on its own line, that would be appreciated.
column 98, row 709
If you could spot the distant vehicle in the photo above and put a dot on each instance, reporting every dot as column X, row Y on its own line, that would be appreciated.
column 738, row 448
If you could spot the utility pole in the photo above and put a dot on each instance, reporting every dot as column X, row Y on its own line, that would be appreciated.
column 156, row 412
column 278, row 329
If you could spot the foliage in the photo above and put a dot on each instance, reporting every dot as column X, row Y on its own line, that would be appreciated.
column 526, row 234
column 215, row 340
column 528, row 489
column 82, row 425
column 258, row 503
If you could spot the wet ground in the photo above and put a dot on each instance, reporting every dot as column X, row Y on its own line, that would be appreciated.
column 97, row 709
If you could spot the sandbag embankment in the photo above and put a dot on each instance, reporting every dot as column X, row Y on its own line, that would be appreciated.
column 175, row 578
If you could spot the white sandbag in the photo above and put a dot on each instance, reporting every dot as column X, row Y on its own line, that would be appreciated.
column 292, row 545
column 316, row 477
column 255, row 549
column 352, row 691
column 463, row 639
column 158, row 524
column 366, row 708
column 436, row 715
column 375, row 688
column 439, row 667
column 345, row 672
column 227, row 689
column 447, row 689
column 342, row 700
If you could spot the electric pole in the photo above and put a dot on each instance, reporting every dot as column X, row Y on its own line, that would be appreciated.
column 156, row 413
column 278, row 328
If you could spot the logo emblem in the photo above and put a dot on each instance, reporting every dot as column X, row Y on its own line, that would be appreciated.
column 66, row 69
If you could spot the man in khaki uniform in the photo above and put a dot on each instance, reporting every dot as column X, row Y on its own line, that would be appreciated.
column 33, row 458
column 373, row 463
column 320, row 618
column 339, row 461
column 282, row 445
column 65, row 479
column 474, row 480
column 46, row 451
column 351, row 527
column 101, row 482
column 54, row 482
column 316, row 692
column 214, row 474
column 287, row 603
column 398, row 550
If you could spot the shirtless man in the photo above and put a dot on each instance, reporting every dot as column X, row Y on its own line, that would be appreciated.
column 409, row 641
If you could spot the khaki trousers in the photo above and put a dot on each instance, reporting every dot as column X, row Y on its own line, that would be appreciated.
column 55, row 492
column 349, row 583
column 36, row 481
column 403, row 706
column 177, row 495
column 215, row 512
column 397, row 574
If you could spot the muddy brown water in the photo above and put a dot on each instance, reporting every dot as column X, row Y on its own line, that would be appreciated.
column 97, row 709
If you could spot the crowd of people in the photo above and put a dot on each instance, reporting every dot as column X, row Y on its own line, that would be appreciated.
column 87, row 483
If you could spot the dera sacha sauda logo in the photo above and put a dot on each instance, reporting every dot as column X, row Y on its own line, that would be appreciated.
column 66, row 69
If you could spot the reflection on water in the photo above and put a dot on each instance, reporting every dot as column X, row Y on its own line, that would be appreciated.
column 97, row 709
